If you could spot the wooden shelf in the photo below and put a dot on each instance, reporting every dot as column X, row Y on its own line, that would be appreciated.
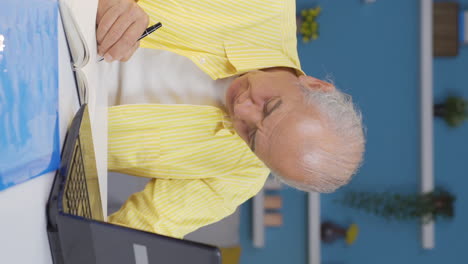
column 445, row 31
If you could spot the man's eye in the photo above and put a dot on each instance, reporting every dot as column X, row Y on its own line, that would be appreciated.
column 270, row 105
column 266, row 107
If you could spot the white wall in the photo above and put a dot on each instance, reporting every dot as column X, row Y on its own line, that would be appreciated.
column 23, row 235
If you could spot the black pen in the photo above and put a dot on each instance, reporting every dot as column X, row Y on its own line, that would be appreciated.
column 147, row 31
column 150, row 30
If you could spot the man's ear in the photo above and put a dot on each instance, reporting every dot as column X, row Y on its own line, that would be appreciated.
column 314, row 83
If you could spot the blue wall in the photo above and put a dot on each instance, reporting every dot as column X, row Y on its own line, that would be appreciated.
column 372, row 52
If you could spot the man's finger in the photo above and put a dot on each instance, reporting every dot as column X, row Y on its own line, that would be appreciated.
column 127, row 41
column 108, row 20
column 131, row 52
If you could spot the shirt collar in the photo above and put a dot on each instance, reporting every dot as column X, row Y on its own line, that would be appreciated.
column 245, row 57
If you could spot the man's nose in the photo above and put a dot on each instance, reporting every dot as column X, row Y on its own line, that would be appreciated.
column 247, row 111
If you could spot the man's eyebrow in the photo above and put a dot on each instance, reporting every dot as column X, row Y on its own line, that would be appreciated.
column 277, row 104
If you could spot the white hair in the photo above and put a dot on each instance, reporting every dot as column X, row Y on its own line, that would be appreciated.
column 330, row 168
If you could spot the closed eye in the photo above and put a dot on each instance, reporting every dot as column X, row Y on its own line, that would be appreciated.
column 268, row 108
column 271, row 106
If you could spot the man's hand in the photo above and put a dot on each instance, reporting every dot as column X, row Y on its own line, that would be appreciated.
column 119, row 24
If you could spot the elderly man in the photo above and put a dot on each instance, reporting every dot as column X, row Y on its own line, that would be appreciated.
column 241, row 57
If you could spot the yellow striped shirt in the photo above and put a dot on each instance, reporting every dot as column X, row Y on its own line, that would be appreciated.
column 226, row 37
column 201, row 169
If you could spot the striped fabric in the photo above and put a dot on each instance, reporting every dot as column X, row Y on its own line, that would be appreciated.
column 201, row 169
column 226, row 37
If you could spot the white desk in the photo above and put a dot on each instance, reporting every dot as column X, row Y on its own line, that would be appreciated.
column 23, row 234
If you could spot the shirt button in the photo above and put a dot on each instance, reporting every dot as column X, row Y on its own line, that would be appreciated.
column 202, row 60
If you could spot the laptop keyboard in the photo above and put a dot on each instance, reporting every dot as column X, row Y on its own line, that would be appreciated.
column 76, row 190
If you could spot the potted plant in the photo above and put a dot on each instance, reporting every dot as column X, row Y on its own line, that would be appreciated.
column 454, row 110
column 395, row 206
column 307, row 25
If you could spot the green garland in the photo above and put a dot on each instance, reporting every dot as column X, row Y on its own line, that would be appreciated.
column 395, row 206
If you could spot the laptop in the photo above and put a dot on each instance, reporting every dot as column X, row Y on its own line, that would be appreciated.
column 75, row 227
